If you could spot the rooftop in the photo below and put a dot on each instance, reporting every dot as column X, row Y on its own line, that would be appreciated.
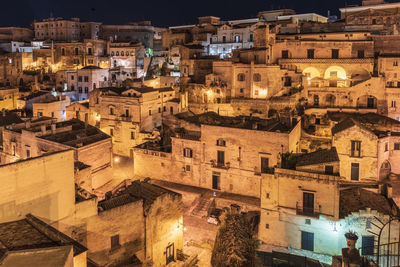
column 8, row 118
column 80, row 135
column 243, row 122
column 44, row 257
column 318, row 157
column 378, row 124
column 136, row 191
column 356, row 199
column 32, row 233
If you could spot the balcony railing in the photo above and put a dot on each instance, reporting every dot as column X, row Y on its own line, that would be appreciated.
column 313, row 212
column 326, row 60
column 220, row 165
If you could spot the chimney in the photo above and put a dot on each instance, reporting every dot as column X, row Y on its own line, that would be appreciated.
column 53, row 128
column 43, row 129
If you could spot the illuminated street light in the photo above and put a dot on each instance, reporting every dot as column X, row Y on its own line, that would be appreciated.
column 116, row 159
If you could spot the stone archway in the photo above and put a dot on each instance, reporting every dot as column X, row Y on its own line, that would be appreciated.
column 385, row 170
column 330, row 100
column 367, row 101
column 335, row 72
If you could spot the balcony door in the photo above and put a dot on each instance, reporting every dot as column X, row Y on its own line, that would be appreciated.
column 308, row 202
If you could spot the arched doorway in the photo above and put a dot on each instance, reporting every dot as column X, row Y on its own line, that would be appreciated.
column 385, row 170
column 367, row 101
column 330, row 100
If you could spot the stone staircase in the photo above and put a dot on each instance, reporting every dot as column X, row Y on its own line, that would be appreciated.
column 201, row 209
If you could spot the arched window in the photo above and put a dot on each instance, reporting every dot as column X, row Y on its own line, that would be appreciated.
column 240, row 77
column 257, row 77
column 122, row 53
column 221, row 142
column 117, row 53
column 112, row 53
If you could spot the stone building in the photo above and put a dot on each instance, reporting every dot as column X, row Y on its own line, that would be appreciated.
column 210, row 151
column 134, row 32
column 130, row 115
column 31, row 240
column 15, row 34
column 47, row 192
column 149, row 228
column 78, row 110
column 34, row 138
column 73, row 55
column 53, row 107
column 59, row 29
column 82, row 81
column 368, row 146
column 126, row 55
column 230, row 37
column 310, row 211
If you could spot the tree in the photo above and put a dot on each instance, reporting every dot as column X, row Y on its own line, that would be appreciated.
column 234, row 245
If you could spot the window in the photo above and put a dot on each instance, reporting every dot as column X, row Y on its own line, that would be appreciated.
column 216, row 177
column 393, row 103
column 386, row 147
column 266, row 226
column 237, row 38
column 240, row 77
column 52, row 114
column 264, row 165
column 80, row 89
column 355, row 167
column 62, row 51
column 220, row 157
column 164, row 109
column 76, row 51
column 241, row 90
column 251, row 37
column 72, row 88
column 329, row 169
column 335, row 53
column 188, row 153
column 79, row 78
column 395, row 63
column 170, row 254
column 171, row 110
column 28, row 153
column 111, row 111
column 224, row 39
column 308, row 221
column 112, row 53
column 112, row 132
column 257, row 77
column 310, row 53
column 90, row 51
column 127, row 113
column 307, row 241
column 355, row 149
column 360, row 54
column 40, row 114
column 122, row 53
column 132, row 135
column 396, row 146
column 86, row 90
column 308, row 203
column 72, row 77
column 316, row 100
column 221, row 142
column 86, row 79
column 159, row 110
column 285, row 53
column 149, row 112
column 115, row 242
column 367, row 245
column 187, row 168
column 267, row 196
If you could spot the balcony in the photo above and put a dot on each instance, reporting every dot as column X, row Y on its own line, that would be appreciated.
column 283, row 61
column 313, row 212
column 220, row 165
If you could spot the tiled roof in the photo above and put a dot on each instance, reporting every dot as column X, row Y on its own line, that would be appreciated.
column 136, row 191
column 31, row 233
column 9, row 119
column 356, row 199
column 317, row 157
column 343, row 125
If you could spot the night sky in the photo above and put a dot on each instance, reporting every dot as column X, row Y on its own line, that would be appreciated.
column 160, row 12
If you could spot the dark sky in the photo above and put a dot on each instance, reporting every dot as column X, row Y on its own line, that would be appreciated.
column 160, row 12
